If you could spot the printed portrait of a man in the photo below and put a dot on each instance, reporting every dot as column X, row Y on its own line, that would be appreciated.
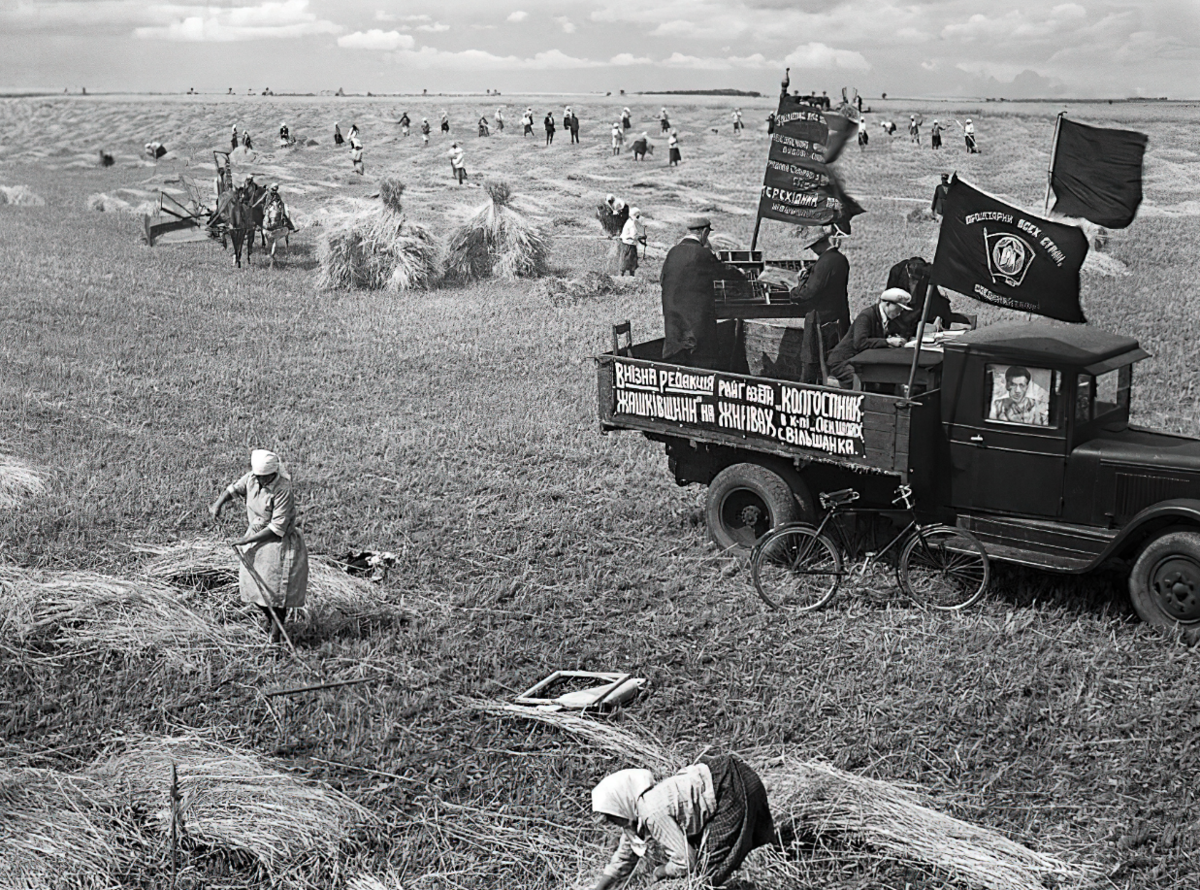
column 1020, row 395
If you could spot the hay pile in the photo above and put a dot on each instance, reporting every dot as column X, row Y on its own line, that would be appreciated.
column 84, row 611
column 18, row 482
column 573, row 291
column 826, row 809
column 106, row 203
column 20, row 196
column 498, row 240
column 95, row 827
column 378, row 250
column 335, row 599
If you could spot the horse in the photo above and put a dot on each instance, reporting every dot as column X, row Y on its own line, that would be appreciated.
column 235, row 216
column 275, row 229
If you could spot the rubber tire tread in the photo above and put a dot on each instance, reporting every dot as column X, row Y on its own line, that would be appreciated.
column 1139, row 576
column 775, row 493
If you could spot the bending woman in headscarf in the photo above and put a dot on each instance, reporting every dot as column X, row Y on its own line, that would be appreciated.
column 274, row 571
column 707, row 818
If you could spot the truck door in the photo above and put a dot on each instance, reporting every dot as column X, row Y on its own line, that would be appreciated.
column 1008, row 453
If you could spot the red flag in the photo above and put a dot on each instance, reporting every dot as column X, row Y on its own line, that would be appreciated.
column 1097, row 173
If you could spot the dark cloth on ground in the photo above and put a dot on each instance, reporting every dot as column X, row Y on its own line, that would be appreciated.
column 867, row 332
column 742, row 820
column 639, row 146
column 689, row 308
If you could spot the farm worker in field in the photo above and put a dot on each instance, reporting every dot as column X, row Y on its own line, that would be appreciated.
column 618, row 138
column 914, row 129
column 706, row 818
column 626, row 119
column 233, row 138
column 337, row 134
column 356, row 156
column 640, row 147
column 445, row 121
column 285, row 135
column 484, row 129
column 458, row 166
column 673, row 156
column 939, row 196
column 571, row 123
column 822, row 296
column 353, row 136
column 633, row 233
column 864, row 138
column 737, row 120
column 969, row 137
column 689, row 306
column 274, row 544
column 548, row 123
column 527, row 122
column 500, row 120
column 405, row 123
column 935, row 136
column 425, row 128
column 664, row 122
column 876, row 327
column 770, row 123
column 246, row 143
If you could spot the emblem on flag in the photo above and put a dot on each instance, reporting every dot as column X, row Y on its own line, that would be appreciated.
column 1009, row 257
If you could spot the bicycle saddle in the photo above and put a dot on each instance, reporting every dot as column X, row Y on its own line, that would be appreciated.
column 838, row 498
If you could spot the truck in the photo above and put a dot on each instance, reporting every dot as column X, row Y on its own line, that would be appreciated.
column 1016, row 432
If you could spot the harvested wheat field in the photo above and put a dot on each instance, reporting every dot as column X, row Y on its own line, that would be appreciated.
column 1043, row 738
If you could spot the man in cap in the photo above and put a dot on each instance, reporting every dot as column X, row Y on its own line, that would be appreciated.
column 689, row 308
column 824, row 292
column 876, row 327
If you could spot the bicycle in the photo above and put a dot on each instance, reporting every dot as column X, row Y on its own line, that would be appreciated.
column 799, row 568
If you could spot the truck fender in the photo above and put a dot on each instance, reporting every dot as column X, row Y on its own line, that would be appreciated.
column 1174, row 513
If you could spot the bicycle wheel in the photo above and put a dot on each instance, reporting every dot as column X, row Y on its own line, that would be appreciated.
column 945, row 568
column 795, row 569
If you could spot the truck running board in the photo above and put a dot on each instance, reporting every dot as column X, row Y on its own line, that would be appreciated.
column 1039, row 543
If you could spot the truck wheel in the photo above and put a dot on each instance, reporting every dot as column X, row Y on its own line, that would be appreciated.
column 744, row 502
column 1165, row 582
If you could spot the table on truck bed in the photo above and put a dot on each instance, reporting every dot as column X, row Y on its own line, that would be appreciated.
column 890, row 367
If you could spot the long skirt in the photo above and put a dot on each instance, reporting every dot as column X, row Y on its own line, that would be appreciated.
column 675, row 156
column 628, row 259
column 282, row 569
column 741, row 822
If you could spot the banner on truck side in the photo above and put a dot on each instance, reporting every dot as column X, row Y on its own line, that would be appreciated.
column 773, row 410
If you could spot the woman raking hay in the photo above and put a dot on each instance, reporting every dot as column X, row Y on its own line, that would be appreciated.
column 274, row 570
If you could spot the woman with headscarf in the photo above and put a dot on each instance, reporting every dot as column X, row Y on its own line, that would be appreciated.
column 626, row 119
column 706, row 818
column 673, row 156
column 274, row 570
column 548, row 123
column 337, row 134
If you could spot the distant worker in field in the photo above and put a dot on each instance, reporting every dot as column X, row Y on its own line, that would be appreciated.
column 233, row 138
column 888, row 127
column 770, row 123
column 458, row 166
column 285, row 135
column 425, row 130
column 673, row 156
column 405, row 123
column 688, row 301
column 935, row 136
column 706, row 819
column 914, row 129
column 641, row 147
column 356, row 153
column 247, row 143
column 571, row 124
column 527, row 123
column 484, row 130
column 969, row 137
column 274, row 570
column 499, row 120
column 445, row 121
column 939, row 196
column 864, row 137
column 618, row 138
column 626, row 119
column 548, row 123
column 633, row 233
column 737, row 121
column 664, row 122
column 353, row 136
column 876, row 327
column 337, row 134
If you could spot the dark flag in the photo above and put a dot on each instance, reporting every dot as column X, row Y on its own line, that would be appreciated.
column 1001, row 255
column 799, row 186
column 1097, row 173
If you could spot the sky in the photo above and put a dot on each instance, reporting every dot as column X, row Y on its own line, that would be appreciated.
column 984, row 48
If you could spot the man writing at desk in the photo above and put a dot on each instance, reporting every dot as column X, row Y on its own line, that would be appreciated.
column 689, row 305
column 875, row 328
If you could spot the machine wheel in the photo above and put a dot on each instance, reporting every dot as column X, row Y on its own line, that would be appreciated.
column 744, row 502
column 945, row 568
column 795, row 569
column 1165, row 582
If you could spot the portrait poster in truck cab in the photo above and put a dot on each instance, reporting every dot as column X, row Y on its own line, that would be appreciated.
column 1020, row 395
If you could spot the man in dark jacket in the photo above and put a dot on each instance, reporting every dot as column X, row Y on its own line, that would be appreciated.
column 874, row 328
column 824, row 291
column 689, row 308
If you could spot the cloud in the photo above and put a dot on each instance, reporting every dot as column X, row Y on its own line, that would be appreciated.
column 377, row 39
column 818, row 55
column 518, row 16
column 717, row 63
column 427, row 57
column 435, row 28
column 567, row 25
column 384, row 16
column 630, row 59
column 283, row 19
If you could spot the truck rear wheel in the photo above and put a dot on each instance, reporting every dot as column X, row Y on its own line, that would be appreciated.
column 1165, row 582
column 744, row 502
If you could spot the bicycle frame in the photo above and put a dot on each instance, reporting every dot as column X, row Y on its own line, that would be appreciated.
column 839, row 538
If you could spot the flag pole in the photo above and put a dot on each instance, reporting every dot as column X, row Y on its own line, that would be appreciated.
column 912, row 372
column 1050, row 169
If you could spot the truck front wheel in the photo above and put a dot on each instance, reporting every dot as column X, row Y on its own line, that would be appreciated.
column 744, row 502
column 1165, row 582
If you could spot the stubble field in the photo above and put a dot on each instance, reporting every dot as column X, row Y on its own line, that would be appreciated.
column 457, row 428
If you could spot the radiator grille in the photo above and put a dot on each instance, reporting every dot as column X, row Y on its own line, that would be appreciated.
column 1136, row 491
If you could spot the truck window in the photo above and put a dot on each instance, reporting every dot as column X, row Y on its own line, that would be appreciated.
column 1020, row 395
column 1096, row 397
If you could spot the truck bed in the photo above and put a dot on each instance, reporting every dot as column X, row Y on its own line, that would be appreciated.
column 866, row 431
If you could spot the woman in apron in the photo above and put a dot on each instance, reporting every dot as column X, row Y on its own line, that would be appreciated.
column 274, row 570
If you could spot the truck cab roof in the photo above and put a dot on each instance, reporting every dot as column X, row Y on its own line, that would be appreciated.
column 1046, row 344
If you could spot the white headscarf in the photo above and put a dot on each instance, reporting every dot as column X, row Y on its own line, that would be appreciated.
column 617, row 795
column 263, row 462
